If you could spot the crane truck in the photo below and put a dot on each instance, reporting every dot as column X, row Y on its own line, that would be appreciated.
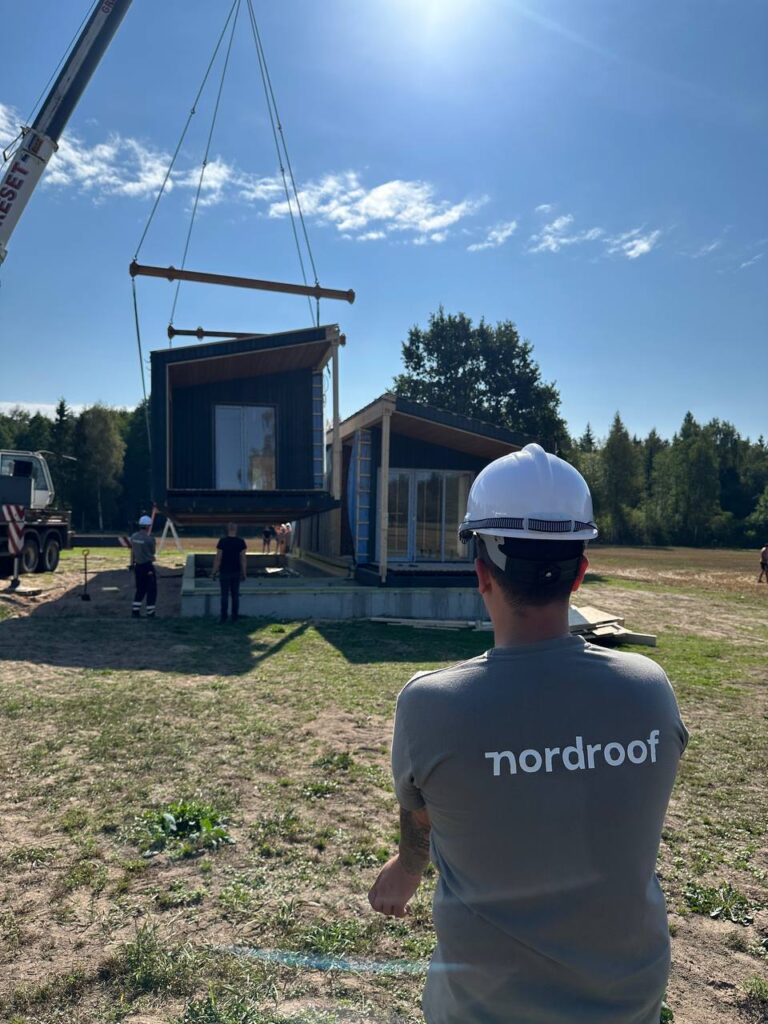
column 29, row 519
column 39, row 141
column 38, row 530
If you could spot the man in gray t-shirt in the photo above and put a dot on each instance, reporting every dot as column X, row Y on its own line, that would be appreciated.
column 537, row 777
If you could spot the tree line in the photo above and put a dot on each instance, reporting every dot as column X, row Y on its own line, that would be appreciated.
column 98, row 458
column 707, row 485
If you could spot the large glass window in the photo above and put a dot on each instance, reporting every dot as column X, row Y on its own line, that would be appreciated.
column 245, row 448
column 425, row 509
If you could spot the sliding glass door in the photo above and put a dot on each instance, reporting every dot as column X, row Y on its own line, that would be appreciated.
column 399, row 515
column 429, row 517
column 425, row 508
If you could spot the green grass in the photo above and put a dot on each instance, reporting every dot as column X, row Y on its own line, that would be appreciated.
column 182, row 828
column 756, row 991
column 279, row 738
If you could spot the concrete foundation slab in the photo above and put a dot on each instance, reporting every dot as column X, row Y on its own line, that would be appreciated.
column 287, row 588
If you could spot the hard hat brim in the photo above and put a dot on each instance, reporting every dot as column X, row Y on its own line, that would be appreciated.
column 529, row 528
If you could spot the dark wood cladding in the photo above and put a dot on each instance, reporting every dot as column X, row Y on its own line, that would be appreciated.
column 192, row 427
column 407, row 452
column 189, row 381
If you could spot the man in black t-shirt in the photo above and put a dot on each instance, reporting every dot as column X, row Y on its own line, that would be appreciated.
column 230, row 566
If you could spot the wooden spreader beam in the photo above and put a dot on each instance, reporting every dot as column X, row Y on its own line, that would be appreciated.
column 172, row 274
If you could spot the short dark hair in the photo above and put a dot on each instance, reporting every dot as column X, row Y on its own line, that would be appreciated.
column 531, row 566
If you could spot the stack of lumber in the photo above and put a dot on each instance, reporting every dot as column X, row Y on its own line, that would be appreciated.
column 601, row 627
column 593, row 624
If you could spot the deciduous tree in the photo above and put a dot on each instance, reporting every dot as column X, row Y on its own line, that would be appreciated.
column 481, row 371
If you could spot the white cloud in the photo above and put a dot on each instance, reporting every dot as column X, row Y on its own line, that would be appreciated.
column 557, row 235
column 748, row 263
column 705, row 250
column 343, row 201
column 544, row 208
column 633, row 243
column 370, row 214
column 127, row 167
column 497, row 236
column 9, row 125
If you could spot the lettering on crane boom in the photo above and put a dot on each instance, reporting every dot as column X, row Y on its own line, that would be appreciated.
column 106, row 7
column 11, row 188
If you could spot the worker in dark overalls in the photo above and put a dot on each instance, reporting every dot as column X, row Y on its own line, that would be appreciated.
column 143, row 565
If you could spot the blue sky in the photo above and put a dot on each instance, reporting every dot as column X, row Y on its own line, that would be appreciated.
column 592, row 169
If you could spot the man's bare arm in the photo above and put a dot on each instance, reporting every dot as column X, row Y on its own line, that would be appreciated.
column 415, row 828
column 401, row 876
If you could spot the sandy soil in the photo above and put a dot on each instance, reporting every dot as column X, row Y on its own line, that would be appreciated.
column 707, row 976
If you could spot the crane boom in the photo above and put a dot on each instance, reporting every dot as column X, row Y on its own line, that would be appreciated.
column 40, row 140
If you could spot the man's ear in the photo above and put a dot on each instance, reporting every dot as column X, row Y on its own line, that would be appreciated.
column 584, row 565
column 483, row 576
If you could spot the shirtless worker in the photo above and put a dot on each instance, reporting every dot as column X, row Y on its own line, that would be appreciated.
column 537, row 775
column 763, row 564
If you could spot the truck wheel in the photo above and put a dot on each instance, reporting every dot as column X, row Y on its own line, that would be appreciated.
column 30, row 554
column 50, row 557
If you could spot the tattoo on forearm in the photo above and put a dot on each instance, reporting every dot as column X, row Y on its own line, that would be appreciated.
column 414, row 843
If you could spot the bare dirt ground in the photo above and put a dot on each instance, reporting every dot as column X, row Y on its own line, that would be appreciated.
column 185, row 709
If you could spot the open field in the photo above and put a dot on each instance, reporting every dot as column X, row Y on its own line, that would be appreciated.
column 278, row 733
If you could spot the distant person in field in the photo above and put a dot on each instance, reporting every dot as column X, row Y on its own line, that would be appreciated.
column 143, row 566
column 536, row 777
column 763, row 564
column 231, row 567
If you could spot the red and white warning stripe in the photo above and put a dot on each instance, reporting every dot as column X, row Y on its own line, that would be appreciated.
column 14, row 517
column 124, row 541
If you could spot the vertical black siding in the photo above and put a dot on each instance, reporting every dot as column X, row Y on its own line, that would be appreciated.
column 192, row 433
column 158, row 431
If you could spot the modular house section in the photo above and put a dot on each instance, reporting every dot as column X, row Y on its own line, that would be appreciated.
column 406, row 473
column 238, row 428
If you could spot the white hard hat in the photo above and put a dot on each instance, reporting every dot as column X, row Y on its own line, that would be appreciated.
column 145, row 521
column 530, row 494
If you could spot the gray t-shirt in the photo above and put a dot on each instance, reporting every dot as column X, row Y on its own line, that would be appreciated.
column 546, row 770
column 143, row 547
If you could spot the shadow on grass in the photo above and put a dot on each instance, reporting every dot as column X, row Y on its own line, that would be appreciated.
column 364, row 643
column 178, row 646
column 269, row 650
column 202, row 647
column 595, row 577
